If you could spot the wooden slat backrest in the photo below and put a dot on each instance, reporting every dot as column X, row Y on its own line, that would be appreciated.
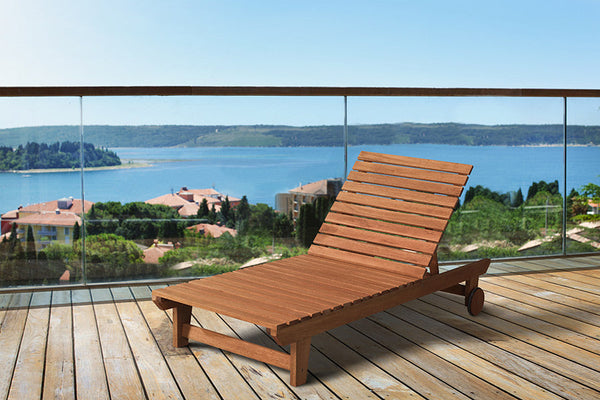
column 391, row 212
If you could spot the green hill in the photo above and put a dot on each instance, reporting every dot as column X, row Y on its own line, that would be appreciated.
column 291, row 136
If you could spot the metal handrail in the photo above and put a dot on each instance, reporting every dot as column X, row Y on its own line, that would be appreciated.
column 62, row 91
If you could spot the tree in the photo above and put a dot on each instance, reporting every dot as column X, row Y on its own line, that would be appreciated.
column 542, row 186
column 212, row 215
column 30, row 253
column 591, row 191
column 203, row 210
column 76, row 231
column 306, row 225
column 518, row 200
column 242, row 211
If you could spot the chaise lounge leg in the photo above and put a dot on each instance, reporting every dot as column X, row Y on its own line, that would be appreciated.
column 299, row 352
column 182, row 314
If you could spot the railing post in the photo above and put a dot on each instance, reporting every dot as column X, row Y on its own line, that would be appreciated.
column 345, row 138
column 564, row 214
column 82, row 164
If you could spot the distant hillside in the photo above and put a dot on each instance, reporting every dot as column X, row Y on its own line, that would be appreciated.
column 290, row 136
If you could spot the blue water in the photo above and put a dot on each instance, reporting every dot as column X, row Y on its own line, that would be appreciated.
column 260, row 173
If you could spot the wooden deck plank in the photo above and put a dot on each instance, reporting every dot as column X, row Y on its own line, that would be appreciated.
column 416, row 378
column 121, row 293
column 475, row 364
column 448, row 326
column 544, row 340
column 536, row 331
column 154, row 372
column 59, row 379
column 90, row 382
column 29, row 369
column 262, row 379
column 224, row 376
column 375, row 379
column 11, row 333
column 568, row 330
column 568, row 294
column 492, row 330
column 246, row 331
column 549, row 311
column 188, row 372
column 469, row 385
column 121, row 373
column 583, row 309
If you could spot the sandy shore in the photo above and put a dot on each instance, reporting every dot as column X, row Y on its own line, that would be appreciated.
column 50, row 170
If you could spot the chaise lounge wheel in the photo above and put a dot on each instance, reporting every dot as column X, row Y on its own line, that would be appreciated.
column 475, row 301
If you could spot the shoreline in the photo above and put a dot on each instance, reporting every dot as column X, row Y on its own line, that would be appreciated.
column 57, row 170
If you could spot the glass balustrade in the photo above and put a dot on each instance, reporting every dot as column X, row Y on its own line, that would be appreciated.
column 180, row 186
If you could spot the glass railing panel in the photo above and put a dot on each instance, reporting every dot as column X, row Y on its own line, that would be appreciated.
column 512, row 203
column 204, row 182
column 40, row 191
column 583, row 176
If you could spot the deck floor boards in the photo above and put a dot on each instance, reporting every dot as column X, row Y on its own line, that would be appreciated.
column 538, row 337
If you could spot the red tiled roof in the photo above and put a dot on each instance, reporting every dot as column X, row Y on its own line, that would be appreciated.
column 50, row 218
column 154, row 252
column 212, row 230
column 319, row 187
column 10, row 214
column 171, row 200
column 53, row 205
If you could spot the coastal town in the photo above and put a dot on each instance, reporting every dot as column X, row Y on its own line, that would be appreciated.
column 59, row 221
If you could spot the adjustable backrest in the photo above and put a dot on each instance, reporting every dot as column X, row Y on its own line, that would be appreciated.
column 391, row 212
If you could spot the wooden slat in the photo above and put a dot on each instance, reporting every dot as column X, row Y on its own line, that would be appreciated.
column 414, row 173
column 286, row 302
column 192, row 296
column 416, row 162
column 390, row 216
column 395, row 205
column 309, row 286
column 260, row 305
column 379, row 277
column 383, row 185
column 379, row 238
column 331, row 300
column 384, row 227
column 401, row 194
column 371, row 249
column 409, row 270
column 330, row 269
column 271, row 288
column 350, row 282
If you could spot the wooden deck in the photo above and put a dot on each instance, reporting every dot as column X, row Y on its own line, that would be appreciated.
column 537, row 338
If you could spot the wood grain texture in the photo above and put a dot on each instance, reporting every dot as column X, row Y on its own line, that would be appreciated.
column 388, row 218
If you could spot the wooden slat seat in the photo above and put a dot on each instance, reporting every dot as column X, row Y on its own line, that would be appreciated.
column 376, row 249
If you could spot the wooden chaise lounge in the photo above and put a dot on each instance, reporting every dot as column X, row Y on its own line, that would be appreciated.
column 375, row 250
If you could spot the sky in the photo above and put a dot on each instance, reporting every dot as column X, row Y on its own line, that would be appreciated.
column 427, row 43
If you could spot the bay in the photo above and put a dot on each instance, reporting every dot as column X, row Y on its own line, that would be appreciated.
column 260, row 173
